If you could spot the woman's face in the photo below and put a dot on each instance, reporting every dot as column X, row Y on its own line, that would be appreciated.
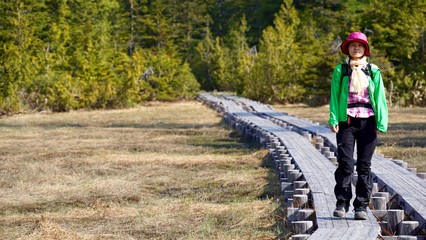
column 356, row 50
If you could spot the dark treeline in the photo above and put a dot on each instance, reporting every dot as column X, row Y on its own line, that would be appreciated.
column 68, row 54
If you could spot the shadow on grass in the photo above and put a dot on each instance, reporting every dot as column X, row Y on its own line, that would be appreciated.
column 412, row 126
column 234, row 141
column 161, row 125
column 404, row 135
column 156, row 125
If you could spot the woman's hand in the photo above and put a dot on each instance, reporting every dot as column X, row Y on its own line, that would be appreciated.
column 334, row 128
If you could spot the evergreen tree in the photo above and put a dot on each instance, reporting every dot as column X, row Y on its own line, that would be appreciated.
column 319, row 54
column 153, row 27
column 329, row 16
column 398, row 29
column 203, row 61
column 168, row 78
column 399, row 32
column 20, row 51
column 187, row 19
column 92, row 51
column 65, row 54
column 260, row 14
column 225, row 14
column 240, row 57
column 161, row 22
column 279, row 61
column 219, row 65
column 54, row 84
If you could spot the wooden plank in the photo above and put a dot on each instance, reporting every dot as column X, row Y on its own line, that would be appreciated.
column 406, row 184
column 316, row 168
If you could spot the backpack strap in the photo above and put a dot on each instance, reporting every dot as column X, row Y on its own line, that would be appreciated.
column 346, row 71
column 368, row 71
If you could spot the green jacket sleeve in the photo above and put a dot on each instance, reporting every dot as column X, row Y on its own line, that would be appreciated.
column 334, row 96
column 381, row 108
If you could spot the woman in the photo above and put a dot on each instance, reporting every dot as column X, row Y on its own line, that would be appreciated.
column 358, row 111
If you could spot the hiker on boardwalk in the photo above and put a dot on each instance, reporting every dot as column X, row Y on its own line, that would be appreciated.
column 358, row 112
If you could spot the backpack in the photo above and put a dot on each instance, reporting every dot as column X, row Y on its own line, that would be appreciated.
column 346, row 71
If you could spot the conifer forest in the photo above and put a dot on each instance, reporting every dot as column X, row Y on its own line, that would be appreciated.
column 61, row 55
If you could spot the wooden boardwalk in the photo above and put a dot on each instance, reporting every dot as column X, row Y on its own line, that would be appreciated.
column 318, row 172
column 402, row 188
column 307, row 176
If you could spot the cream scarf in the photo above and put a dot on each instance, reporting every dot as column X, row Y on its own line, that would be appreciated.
column 359, row 81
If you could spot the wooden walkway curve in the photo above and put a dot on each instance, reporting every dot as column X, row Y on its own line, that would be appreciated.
column 307, row 175
column 406, row 187
column 305, row 164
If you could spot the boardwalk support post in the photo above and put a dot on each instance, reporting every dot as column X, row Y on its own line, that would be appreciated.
column 395, row 217
column 302, row 227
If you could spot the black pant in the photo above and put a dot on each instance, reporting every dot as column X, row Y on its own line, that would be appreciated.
column 363, row 132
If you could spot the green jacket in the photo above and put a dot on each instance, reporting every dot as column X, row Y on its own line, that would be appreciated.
column 339, row 98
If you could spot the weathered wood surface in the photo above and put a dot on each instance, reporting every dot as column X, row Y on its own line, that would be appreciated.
column 317, row 170
column 408, row 188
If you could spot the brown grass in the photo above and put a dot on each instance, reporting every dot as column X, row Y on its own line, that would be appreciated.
column 405, row 139
column 161, row 171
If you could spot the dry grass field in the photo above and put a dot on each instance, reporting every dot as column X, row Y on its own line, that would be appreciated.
column 405, row 139
column 161, row 171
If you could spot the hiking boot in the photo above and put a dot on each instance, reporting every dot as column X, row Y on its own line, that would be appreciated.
column 360, row 215
column 341, row 211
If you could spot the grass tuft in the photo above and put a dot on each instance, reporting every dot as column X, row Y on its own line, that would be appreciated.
column 163, row 171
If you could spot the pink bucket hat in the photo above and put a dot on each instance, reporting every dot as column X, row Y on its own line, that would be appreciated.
column 356, row 37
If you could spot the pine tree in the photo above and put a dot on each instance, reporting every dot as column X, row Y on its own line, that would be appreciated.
column 160, row 25
column 20, row 52
column 54, row 84
column 399, row 32
column 260, row 14
column 151, row 25
column 187, row 19
column 398, row 29
column 279, row 61
column 220, row 66
column 92, row 51
column 203, row 61
column 318, row 61
column 240, row 57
